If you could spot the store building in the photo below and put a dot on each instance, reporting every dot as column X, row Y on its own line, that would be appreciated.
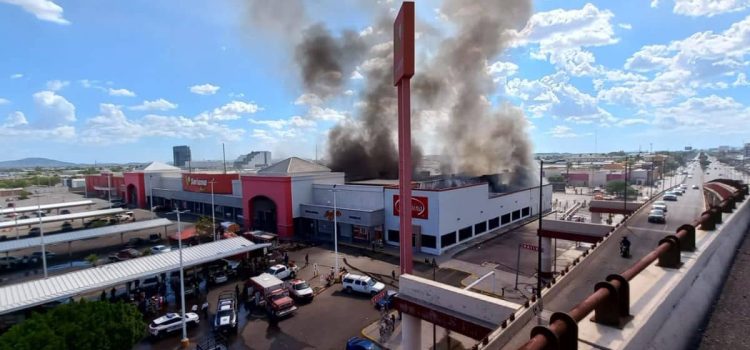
column 106, row 185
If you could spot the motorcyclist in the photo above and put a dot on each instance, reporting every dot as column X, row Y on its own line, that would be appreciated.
column 625, row 247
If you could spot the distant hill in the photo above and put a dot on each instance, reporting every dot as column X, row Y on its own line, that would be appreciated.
column 34, row 162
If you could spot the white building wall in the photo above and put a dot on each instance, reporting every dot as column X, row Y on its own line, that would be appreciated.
column 302, row 188
column 428, row 227
column 349, row 196
column 600, row 178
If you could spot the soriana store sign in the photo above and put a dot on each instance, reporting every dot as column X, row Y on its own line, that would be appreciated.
column 202, row 182
column 419, row 207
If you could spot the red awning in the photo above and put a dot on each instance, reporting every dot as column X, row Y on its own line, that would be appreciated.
column 187, row 233
column 228, row 235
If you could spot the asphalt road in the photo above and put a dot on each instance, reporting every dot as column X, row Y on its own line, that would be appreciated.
column 644, row 237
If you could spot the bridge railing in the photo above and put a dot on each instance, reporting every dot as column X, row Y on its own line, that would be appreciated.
column 611, row 300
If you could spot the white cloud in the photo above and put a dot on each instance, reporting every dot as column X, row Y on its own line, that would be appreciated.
column 4, row 101
column 230, row 111
column 349, row 92
column 562, row 131
column 654, row 3
column 112, row 126
column 16, row 76
column 565, row 29
column 633, row 121
column 626, row 26
column 55, row 108
column 155, row 105
column 236, row 95
column 553, row 96
column 308, row 99
column 293, row 122
column 741, row 80
column 44, row 10
column 14, row 119
column 713, row 113
column 205, row 89
column 57, row 85
column 504, row 69
column 264, row 135
column 328, row 114
column 710, row 8
column 356, row 75
column 121, row 92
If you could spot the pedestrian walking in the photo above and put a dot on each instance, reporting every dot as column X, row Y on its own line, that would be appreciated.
column 393, row 320
column 315, row 269
column 103, row 297
column 307, row 259
column 204, row 309
column 286, row 259
column 237, row 291
column 393, row 274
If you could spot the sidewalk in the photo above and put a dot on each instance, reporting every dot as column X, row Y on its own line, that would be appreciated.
column 393, row 342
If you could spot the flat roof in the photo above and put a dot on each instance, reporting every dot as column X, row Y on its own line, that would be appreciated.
column 18, row 244
column 45, row 207
column 32, row 293
column 66, row 217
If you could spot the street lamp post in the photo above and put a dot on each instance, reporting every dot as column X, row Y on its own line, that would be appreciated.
column 41, row 234
column 151, row 194
column 185, row 341
column 213, row 211
column 335, row 231
column 109, row 189
column 434, row 328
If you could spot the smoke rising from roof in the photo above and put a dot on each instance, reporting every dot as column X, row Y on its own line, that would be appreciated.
column 451, row 86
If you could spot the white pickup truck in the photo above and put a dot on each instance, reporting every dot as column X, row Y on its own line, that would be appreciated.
column 361, row 284
column 282, row 272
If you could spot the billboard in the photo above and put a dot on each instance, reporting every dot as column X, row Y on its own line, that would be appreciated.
column 195, row 182
column 420, row 208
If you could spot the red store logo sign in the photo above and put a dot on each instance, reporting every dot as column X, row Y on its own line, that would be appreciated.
column 419, row 207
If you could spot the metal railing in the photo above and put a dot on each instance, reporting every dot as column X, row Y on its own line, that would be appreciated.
column 611, row 299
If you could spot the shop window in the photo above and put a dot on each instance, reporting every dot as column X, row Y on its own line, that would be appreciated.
column 505, row 219
column 494, row 223
column 393, row 235
column 448, row 239
column 526, row 212
column 429, row 241
column 516, row 215
column 480, row 227
column 464, row 233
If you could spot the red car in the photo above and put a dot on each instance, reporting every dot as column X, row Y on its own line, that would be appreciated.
column 125, row 254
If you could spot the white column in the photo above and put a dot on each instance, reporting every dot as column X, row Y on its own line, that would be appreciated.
column 596, row 218
column 547, row 254
column 411, row 332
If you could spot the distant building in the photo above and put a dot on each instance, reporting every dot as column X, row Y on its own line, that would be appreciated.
column 253, row 160
column 181, row 155
column 747, row 150
column 688, row 148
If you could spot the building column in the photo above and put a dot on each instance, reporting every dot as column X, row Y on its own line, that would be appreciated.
column 596, row 218
column 547, row 257
column 411, row 332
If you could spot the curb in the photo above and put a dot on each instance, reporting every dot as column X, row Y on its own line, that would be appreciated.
column 370, row 338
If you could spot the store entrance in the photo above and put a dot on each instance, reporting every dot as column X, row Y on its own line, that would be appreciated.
column 264, row 214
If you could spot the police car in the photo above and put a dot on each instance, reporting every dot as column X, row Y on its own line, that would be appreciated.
column 171, row 322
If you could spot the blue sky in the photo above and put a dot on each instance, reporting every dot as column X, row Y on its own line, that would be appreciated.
column 126, row 80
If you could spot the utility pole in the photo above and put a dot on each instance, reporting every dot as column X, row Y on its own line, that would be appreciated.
column 213, row 210
column 539, row 235
column 625, row 197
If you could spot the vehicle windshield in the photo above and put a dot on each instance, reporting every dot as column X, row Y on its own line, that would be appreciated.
column 371, row 282
column 271, row 271
column 301, row 286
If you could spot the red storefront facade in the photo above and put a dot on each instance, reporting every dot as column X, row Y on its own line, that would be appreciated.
column 98, row 185
column 267, row 204
column 135, row 190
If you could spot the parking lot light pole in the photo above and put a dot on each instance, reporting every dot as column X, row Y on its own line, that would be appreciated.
column 185, row 341
column 151, row 194
column 335, row 231
column 213, row 210
column 109, row 189
column 41, row 234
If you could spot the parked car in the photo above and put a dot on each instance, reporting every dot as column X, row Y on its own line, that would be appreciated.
column 136, row 242
column 149, row 283
column 357, row 343
column 154, row 238
column 23, row 217
column 171, row 322
column 64, row 212
column 125, row 254
column 158, row 249
column 659, row 206
column 657, row 216
column 695, row 187
column 386, row 301
column 34, row 231
column 38, row 255
column 225, row 319
column 282, row 272
column 361, row 284
column 300, row 290
column 8, row 262
column 670, row 197
column 66, row 226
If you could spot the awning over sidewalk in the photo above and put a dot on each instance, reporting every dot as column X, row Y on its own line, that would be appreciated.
column 187, row 233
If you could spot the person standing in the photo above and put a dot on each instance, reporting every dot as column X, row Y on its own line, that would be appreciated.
column 204, row 309
column 307, row 259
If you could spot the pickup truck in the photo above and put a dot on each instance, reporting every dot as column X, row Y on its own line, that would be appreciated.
column 361, row 284
column 225, row 319
column 282, row 272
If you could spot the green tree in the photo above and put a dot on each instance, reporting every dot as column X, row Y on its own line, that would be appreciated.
column 204, row 228
column 89, row 171
column 617, row 188
column 85, row 325
column 92, row 259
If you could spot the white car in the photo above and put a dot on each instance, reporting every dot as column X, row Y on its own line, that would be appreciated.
column 300, row 290
column 361, row 284
column 282, row 272
column 659, row 206
column 158, row 249
column 171, row 322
